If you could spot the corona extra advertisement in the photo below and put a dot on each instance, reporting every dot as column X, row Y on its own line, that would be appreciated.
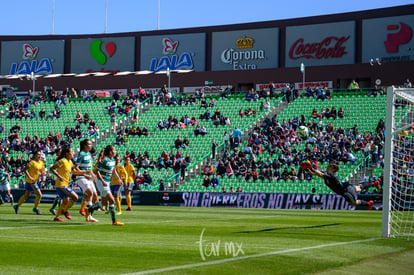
column 245, row 50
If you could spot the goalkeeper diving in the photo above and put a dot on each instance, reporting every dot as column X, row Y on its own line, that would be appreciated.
column 345, row 189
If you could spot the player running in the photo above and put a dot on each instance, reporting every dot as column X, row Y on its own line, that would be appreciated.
column 118, row 179
column 345, row 189
column 85, row 182
column 130, row 169
column 5, row 186
column 103, row 173
column 62, row 169
column 32, row 171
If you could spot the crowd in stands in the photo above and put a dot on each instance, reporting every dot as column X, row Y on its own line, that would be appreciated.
column 272, row 150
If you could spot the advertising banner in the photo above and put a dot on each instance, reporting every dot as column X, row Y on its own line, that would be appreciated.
column 261, row 200
column 245, row 49
column 236, row 200
column 175, row 51
column 320, row 44
column 112, row 55
column 388, row 38
column 298, row 85
column 40, row 57
column 211, row 89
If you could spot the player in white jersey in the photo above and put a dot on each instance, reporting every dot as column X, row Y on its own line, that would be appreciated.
column 5, row 187
column 85, row 182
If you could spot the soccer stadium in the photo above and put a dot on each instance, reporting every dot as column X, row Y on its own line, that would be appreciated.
column 274, row 147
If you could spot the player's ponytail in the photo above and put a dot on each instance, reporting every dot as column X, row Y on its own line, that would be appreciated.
column 63, row 153
column 83, row 143
column 108, row 149
column 101, row 155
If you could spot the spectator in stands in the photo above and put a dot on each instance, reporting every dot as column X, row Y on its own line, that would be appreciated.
column 333, row 113
column 321, row 94
column 147, row 178
column 162, row 186
column 42, row 113
column 215, row 181
column 341, row 113
column 203, row 103
column 178, row 143
column 407, row 83
column 251, row 95
column 327, row 93
column 200, row 130
column 86, row 118
column 145, row 131
column 353, row 86
column 208, row 169
column 78, row 117
column 206, row 181
column 116, row 95
column 186, row 143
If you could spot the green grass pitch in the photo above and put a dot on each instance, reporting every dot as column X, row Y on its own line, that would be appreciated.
column 177, row 240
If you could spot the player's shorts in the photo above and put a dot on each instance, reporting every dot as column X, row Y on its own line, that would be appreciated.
column 31, row 187
column 129, row 186
column 116, row 190
column 5, row 187
column 86, row 184
column 63, row 192
column 350, row 194
column 103, row 190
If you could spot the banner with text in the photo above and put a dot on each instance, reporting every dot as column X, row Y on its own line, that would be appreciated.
column 38, row 56
column 320, row 44
column 245, row 50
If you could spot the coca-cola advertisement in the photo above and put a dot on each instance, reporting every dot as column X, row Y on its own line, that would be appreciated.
column 320, row 44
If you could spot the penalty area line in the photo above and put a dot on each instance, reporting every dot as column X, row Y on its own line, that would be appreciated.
column 227, row 260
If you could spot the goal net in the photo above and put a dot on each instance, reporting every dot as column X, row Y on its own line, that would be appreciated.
column 398, row 196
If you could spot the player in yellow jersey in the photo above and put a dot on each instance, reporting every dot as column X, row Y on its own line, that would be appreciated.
column 32, row 171
column 62, row 168
column 118, row 179
column 130, row 169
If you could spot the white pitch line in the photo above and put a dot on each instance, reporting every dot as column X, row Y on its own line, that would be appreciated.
column 221, row 261
column 84, row 224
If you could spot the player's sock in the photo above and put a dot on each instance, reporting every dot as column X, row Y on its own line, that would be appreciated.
column 128, row 200
column 365, row 185
column 118, row 204
column 37, row 201
column 112, row 211
column 11, row 199
column 94, row 207
column 362, row 202
column 21, row 200
column 56, row 201
column 60, row 210
column 83, row 204
column 1, row 199
column 68, row 206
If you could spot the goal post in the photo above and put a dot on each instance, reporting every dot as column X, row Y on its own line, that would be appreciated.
column 398, row 196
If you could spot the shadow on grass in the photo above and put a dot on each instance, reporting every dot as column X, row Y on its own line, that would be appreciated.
column 290, row 228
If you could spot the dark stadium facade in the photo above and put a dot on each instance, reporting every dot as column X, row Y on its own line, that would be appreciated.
column 372, row 47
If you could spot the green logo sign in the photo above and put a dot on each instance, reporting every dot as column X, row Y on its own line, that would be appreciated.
column 98, row 54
